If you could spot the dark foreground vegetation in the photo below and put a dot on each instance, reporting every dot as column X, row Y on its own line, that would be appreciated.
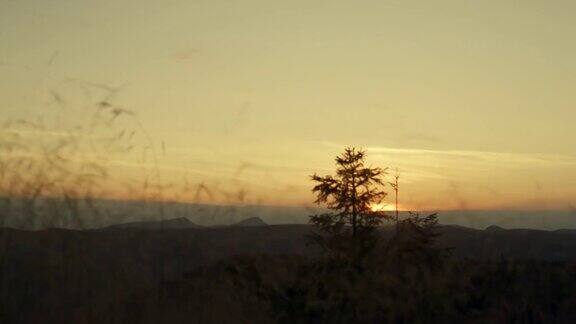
column 271, row 274
column 403, row 282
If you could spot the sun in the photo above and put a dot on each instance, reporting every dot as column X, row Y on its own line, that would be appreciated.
column 382, row 207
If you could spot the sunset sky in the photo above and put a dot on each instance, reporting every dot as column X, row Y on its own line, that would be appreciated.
column 473, row 101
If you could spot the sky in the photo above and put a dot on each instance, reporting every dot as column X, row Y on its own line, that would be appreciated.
column 472, row 101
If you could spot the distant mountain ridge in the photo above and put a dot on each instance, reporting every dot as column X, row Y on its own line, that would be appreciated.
column 210, row 215
column 174, row 223
column 250, row 236
column 182, row 223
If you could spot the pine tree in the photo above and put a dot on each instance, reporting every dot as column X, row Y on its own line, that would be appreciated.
column 352, row 193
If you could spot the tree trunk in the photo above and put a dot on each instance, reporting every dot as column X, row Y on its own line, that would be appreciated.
column 397, row 224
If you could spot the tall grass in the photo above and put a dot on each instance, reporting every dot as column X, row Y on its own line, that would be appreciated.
column 61, row 167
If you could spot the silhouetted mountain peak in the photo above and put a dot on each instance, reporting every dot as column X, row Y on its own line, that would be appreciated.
column 494, row 228
column 253, row 221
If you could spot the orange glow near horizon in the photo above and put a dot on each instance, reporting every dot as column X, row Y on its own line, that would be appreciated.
column 384, row 207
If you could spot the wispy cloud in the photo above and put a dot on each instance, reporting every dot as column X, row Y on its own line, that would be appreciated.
column 502, row 159
column 481, row 158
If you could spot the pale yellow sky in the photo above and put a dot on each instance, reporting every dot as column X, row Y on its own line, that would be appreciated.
column 472, row 100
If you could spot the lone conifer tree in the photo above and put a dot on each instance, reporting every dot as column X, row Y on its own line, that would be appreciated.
column 351, row 193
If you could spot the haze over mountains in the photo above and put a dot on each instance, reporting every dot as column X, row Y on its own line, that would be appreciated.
column 181, row 223
column 175, row 223
column 103, row 213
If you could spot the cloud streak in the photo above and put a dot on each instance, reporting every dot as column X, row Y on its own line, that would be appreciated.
column 468, row 158
column 500, row 158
